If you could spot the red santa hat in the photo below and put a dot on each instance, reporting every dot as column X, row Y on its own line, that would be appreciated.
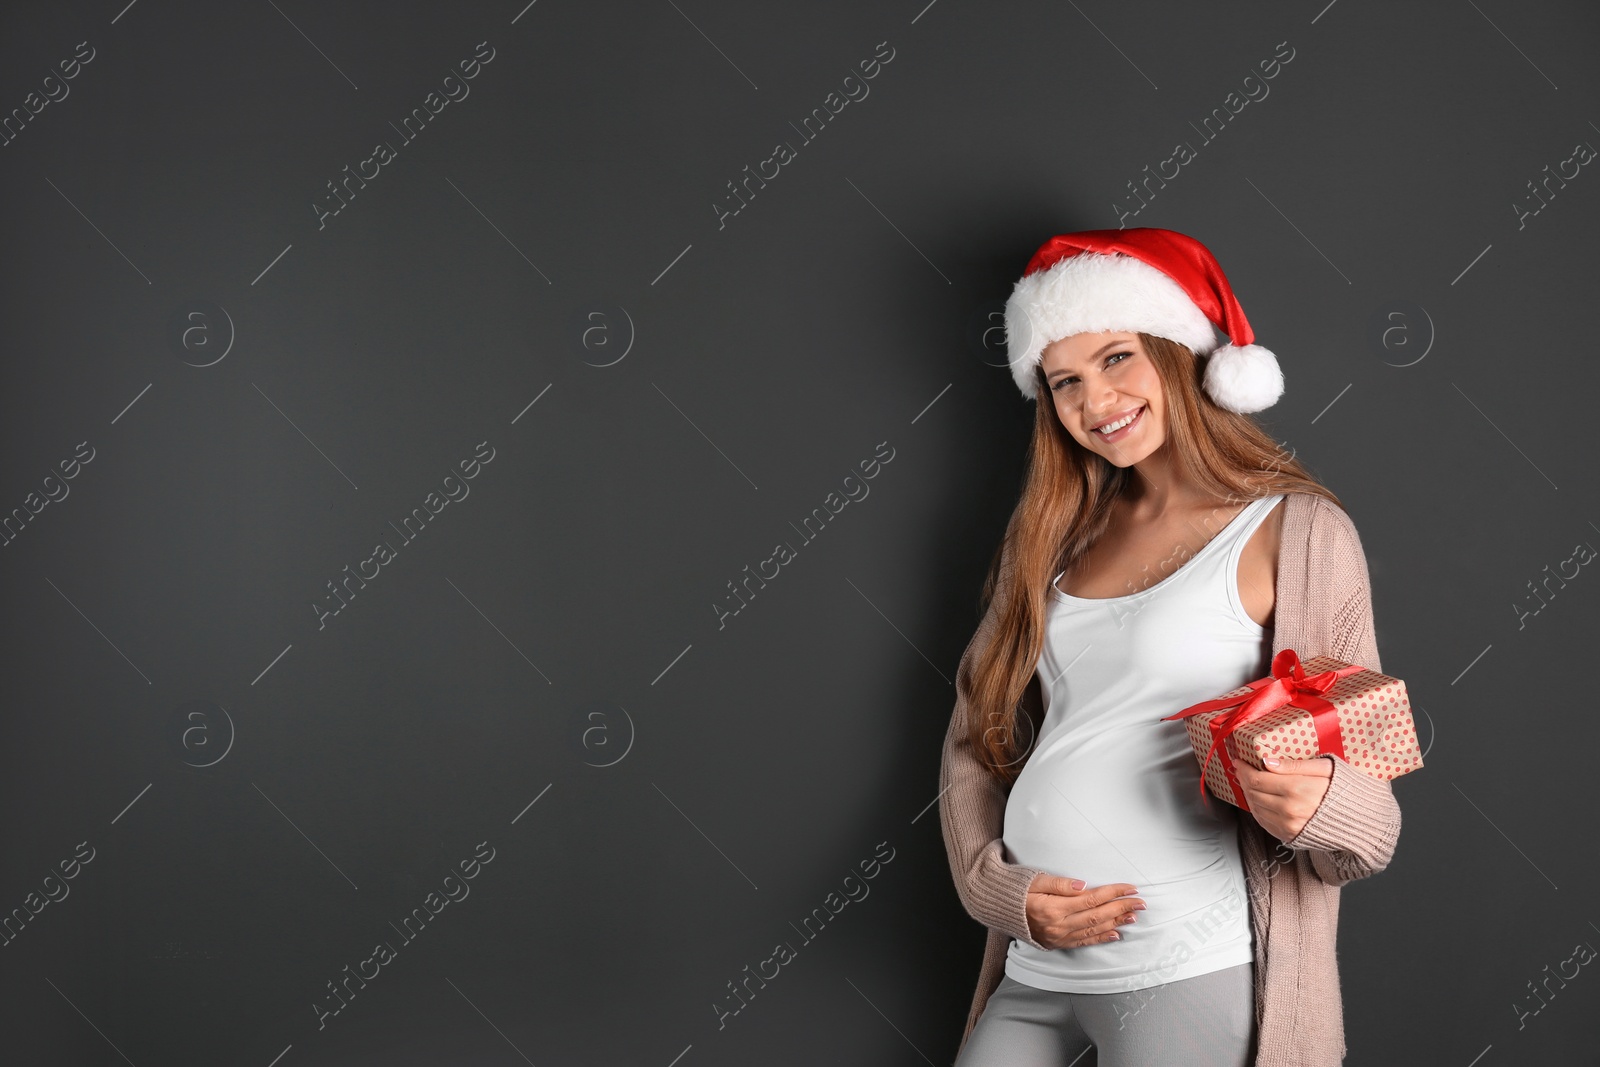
column 1143, row 280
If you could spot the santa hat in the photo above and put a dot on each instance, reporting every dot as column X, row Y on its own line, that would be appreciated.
column 1142, row 280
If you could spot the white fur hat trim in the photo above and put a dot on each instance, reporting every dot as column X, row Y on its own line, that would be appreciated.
column 1092, row 293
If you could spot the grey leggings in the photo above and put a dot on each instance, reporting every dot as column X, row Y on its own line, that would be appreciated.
column 1205, row 1021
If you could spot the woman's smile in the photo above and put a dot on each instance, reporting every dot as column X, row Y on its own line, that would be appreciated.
column 1124, row 430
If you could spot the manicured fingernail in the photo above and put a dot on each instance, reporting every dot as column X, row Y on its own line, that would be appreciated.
column 1139, row 907
column 1271, row 761
column 1078, row 883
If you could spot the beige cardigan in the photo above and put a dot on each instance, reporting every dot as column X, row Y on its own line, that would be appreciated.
column 1323, row 607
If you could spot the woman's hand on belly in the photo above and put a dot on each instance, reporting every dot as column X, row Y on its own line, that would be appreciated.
column 1284, row 798
column 1060, row 916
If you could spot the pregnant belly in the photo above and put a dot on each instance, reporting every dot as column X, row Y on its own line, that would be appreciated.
column 1100, row 818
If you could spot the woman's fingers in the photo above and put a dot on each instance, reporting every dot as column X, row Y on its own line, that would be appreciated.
column 1103, row 928
column 1043, row 882
column 1098, row 923
column 1060, row 916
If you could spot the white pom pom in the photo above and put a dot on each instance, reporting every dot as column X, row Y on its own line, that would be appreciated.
column 1243, row 378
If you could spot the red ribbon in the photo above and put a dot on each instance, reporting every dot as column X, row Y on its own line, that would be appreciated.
column 1288, row 685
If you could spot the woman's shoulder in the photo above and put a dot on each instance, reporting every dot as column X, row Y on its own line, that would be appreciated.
column 1316, row 517
column 1323, row 534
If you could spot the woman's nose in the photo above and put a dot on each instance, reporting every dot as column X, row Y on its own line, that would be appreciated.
column 1100, row 406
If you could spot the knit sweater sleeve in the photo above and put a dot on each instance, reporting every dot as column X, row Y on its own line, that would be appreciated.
column 972, row 807
column 1354, row 831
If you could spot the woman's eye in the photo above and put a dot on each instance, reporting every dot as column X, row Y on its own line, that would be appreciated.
column 1068, row 381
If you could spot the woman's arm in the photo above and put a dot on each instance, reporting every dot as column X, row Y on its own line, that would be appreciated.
column 972, row 808
column 1354, row 831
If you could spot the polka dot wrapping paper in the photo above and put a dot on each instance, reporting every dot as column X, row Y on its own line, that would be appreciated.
column 1304, row 709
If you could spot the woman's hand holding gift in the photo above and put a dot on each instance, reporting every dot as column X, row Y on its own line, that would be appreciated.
column 1284, row 797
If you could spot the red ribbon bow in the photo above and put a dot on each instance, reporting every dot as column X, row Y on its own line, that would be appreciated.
column 1288, row 685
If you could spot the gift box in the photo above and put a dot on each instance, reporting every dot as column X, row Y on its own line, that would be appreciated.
column 1323, row 706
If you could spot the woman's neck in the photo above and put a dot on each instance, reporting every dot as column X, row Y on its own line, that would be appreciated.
column 1157, row 489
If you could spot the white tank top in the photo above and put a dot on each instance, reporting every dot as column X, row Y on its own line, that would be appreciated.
column 1112, row 794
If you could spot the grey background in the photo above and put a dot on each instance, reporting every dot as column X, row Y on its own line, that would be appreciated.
column 351, row 767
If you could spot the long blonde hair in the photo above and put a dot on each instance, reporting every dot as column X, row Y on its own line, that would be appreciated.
column 1066, row 504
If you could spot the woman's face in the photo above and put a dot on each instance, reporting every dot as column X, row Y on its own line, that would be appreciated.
column 1098, row 379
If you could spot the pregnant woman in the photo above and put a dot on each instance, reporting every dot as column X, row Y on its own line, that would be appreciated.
column 1163, row 550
